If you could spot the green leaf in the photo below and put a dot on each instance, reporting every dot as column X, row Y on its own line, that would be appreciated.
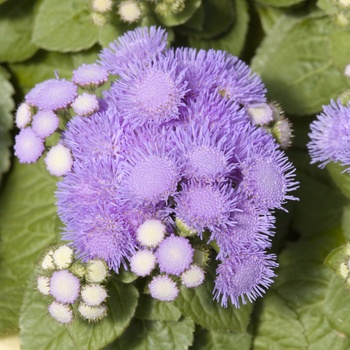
column 297, row 63
column 340, row 178
column 345, row 222
column 40, row 331
column 6, row 120
column 151, row 335
column 209, row 340
column 268, row 17
column 335, row 258
column 16, row 20
column 41, row 67
column 27, row 225
column 176, row 19
column 155, row 310
column 297, row 311
column 198, row 304
column 65, row 26
column 321, row 203
column 216, row 18
column 233, row 40
column 280, row 3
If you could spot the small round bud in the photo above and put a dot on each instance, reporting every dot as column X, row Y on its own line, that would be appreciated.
column 163, row 288
column 98, row 19
column 47, row 263
column 185, row 230
column 63, row 257
column 93, row 294
column 347, row 71
column 45, row 123
column 43, row 284
column 260, row 113
column 344, row 270
column 92, row 313
column 101, row 6
column 85, row 105
column 129, row 11
column 29, row 147
column 23, row 115
column 64, row 286
column 90, row 75
column 282, row 131
column 193, row 277
column 96, row 271
column 142, row 263
column 61, row 313
column 151, row 233
column 59, row 160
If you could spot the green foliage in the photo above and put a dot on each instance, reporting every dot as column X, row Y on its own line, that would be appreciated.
column 16, row 25
column 280, row 3
column 6, row 120
column 40, row 331
column 27, row 225
column 314, row 59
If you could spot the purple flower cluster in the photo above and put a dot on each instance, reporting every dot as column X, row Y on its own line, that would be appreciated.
column 171, row 152
column 330, row 136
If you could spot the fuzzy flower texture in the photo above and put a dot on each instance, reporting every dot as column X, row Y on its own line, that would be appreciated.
column 171, row 168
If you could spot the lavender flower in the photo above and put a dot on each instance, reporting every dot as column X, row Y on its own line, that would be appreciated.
column 52, row 94
column 64, row 286
column 142, row 262
column 90, row 75
column 193, row 277
column 85, row 104
column 330, row 136
column 244, row 276
column 23, row 115
column 140, row 46
column 59, row 160
column 28, row 146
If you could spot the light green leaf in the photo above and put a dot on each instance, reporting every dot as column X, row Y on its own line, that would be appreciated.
column 151, row 335
column 40, row 331
column 16, row 24
column 65, row 26
column 176, row 19
column 6, row 120
column 233, row 40
column 340, row 178
column 268, row 17
column 198, row 304
column 345, row 222
column 280, row 3
column 155, row 310
column 297, row 63
column 209, row 340
column 27, row 225
column 335, row 258
column 41, row 67
column 297, row 311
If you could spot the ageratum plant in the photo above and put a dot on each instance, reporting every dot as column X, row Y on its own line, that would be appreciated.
column 165, row 175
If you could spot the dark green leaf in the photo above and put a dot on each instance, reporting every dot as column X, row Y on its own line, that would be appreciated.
column 155, row 310
column 341, row 178
column 233, row 40
column 65, row 26
column 198, row 304
column 280, row 3
column 16, row 24
column 151, row 335
column 209, row 340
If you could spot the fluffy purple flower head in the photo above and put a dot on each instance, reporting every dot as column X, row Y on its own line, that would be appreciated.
column 45, row 123
column 242, row 277
column 202, row 206
column 253, row 226
column 330, row 135
column 207, row 153
column 174, row 255
column 237, row 82
column 268, row 177
column 52, row 94
column 90, row 75
column 64, row 286
column 140, row 46
column 151, row 170
column 29, row 147
column 152, row 94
